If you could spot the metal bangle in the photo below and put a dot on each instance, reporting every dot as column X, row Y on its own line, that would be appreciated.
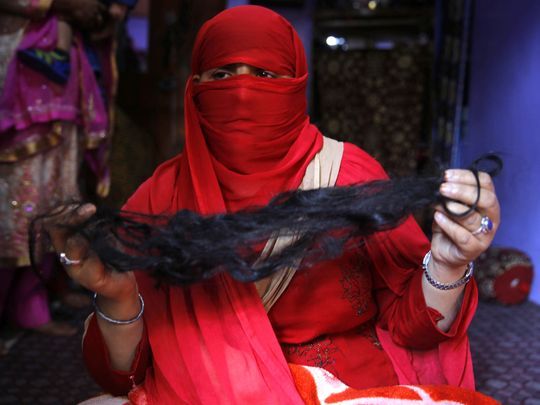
column 117, row 321
column 446, row 286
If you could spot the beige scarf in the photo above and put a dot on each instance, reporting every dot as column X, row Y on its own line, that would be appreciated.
column 321, row 172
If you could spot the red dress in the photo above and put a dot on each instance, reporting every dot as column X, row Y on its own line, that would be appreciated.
column 327, row 315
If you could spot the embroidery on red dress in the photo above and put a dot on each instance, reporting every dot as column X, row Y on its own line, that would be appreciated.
column 317, row 353
column 356, row 282
column 367, row 330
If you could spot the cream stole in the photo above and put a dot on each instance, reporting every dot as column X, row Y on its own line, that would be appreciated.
column 321, row 172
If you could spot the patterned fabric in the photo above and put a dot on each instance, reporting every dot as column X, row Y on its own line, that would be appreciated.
column 319, row 387
column 375, row 99
column 504, row 274
column 29, row 99
column 35, row 184
column 345, row 333
column 8, row 44
column 318, row 353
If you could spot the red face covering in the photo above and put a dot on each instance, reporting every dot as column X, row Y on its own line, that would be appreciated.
column 250, row 124
column 247, row 139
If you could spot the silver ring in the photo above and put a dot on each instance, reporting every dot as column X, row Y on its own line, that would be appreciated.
column 66, row 261
column 486, row 225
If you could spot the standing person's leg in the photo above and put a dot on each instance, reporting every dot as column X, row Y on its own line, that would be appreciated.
column 29, row 304
column 6, row 278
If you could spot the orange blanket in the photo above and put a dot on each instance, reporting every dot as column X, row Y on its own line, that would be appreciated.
column 318, row 387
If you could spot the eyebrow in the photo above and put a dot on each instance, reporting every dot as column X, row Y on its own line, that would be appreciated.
column 231, row 66
column 234, row 65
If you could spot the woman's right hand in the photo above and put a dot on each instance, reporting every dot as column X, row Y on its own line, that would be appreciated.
column 90, row 272
column 83, row 13
column 118, row 296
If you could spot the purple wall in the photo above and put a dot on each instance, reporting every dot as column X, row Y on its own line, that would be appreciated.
column 504, row 115
column 137, row 28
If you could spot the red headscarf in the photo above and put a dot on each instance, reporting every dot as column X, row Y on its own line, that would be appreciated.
column 247, row 139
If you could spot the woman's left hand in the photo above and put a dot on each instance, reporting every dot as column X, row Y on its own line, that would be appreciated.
column 458, row 241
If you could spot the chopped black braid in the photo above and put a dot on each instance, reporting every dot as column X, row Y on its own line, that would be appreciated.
column 188, row 247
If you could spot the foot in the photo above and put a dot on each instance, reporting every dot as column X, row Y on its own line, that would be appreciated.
column 56, row 328
column 55, row 65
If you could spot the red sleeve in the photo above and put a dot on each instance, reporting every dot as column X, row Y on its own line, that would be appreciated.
column 396, row 256
column 96, row 358
column 148, row 198
column 95, row 352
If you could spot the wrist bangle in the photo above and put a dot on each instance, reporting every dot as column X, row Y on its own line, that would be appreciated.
column 117, row 321
column 446, row 286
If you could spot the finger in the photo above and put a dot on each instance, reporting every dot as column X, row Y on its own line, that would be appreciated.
column 71, row 214
column 90, row 273
column 76, row 250
column 454, row 208
column 467, row 245
column 59, row 215
column 468, row 194
column 57, row 226
column 471, row 222
column 467, row 177
column 94, row 274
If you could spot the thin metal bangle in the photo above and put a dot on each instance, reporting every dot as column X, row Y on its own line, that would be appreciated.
column 117, row 321
column 446, row 286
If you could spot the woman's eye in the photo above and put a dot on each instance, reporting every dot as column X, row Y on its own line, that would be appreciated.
column 267, row 74
column 220, row 75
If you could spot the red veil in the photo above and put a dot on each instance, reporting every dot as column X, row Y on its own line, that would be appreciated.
column 247, row 139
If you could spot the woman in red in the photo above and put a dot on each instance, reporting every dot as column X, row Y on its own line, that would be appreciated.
column 371, row 318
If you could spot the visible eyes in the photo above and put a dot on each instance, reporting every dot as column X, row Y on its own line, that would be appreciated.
column 224, row 73
column 266, row 73
column 220, row 74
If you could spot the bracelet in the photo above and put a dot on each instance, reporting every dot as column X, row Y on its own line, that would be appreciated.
column 446, row 286
column 117, row 321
